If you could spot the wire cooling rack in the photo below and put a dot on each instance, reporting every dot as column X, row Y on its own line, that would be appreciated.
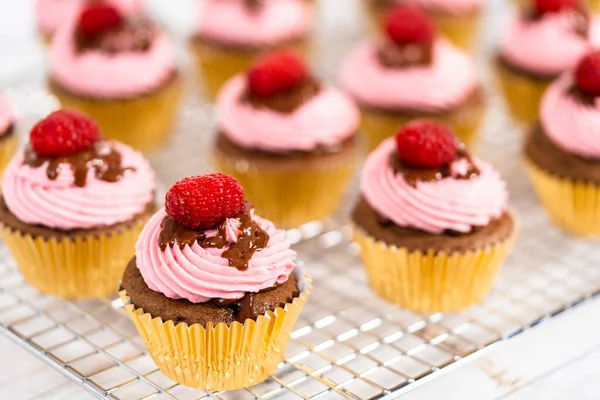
column 348, row 343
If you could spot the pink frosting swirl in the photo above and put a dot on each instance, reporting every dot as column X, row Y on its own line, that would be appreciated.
column 35, row 199
column 447, row 82
column 325, row 120
column 198, row 274
column 102, row 75
column 231, row 22
column 568, row 122
column 547, row 46
column 51, row 14
column 7, row 115
column 448, row 204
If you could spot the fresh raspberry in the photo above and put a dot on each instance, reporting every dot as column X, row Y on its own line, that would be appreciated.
column 276, row 73
column 409, row 25
column 203, row 201
column 546, row 6
column 425, row 144
column 97, row 18
column 62, row 133
column 587, row 74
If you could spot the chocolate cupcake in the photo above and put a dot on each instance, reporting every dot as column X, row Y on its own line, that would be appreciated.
column 563, row 152
column 412, row 73
column 120, row 70
column 72, row 207
column 544, row 40
column 231, row 34
column 432, row 221
column 8, row 137
column 213, row 289
column 288, row 138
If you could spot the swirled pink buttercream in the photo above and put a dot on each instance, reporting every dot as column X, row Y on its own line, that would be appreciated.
column 7, row 115
column 446, row 83
column 450, row 6
column 546, row 46
column 448, row 204
column 35, row 199
column 102, row 75
column 325, row 120
column 198, row 274
column 568, row 122
column 233, row 23
column 52, row 14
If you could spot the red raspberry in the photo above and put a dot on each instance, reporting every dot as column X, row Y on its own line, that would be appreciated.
column 425, row 144
column 97, row 18
column 546, row 6
column 203, row 201
column 62, row 133
column 587, row 74
column 409, row 25
column 276, row 73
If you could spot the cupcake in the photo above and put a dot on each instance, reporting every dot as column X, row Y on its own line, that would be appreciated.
column 458, row 20
column 121, row 71
column 73, row 205
column 288, row 138
column 213, row 290
column 563, row 152
column 541, row 42
column 232, row 33
column 411, row 73
column 432, row 221
column 50, row 15
column 8, row 137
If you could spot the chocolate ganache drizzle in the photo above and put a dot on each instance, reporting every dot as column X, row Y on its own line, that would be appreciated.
column 414, row 175
column 101, row 156
column 132, row 35
column 251, row 239
column 288, row 101
column 394, row 56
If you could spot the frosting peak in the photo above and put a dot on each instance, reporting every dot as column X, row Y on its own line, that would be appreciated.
column 199, row 273
column 326, row 119
column 570, row 122
column 451, row 203
column 441, row 84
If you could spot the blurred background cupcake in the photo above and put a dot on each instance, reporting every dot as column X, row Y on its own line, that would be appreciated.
column 412, row 73
column 121, row 71
column 230, row 34
column 8, row 135
column 432, row 221
column 563, row 152
column 543, row 40
column 456, row 19
column 289, row 139
column 50, row 15
column 72, row 206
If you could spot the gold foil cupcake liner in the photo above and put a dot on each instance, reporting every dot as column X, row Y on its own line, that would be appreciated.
column 8, row 148
column 379, row 125
column 80, row 267
column 142, row 122
column 216, row 65
column 523, row 94
column 220, row 357
column 295, row 197
column 431, row 281
column 572, row 205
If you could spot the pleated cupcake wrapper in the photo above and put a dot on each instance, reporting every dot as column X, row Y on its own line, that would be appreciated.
column 8, row 147
column 523, row 94
column 460, row 29
column 220, row 357
column 142, row 122
column 216, row 65
column 378, row 125
column 431, row 281
column 572, row 205
column 83, row 267
column 292, row 198
column 594, row 5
